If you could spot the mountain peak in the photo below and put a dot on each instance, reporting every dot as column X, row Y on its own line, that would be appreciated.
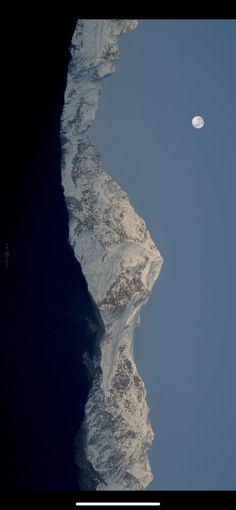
column 121, row 264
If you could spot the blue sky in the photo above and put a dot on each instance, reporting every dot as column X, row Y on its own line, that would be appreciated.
column 182, row 181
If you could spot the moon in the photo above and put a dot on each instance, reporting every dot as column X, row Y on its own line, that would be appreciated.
column 197, row 122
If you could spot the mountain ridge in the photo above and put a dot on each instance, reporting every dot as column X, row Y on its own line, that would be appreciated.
column 121, row 264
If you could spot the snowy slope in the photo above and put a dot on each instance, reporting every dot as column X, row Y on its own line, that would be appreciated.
column 120, row 263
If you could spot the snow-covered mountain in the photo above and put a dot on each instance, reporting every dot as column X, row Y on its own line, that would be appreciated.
column 120, row 263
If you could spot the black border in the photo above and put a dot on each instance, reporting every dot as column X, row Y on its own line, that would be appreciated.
column 167, row 499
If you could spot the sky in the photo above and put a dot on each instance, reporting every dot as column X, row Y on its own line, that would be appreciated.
column 182, row 182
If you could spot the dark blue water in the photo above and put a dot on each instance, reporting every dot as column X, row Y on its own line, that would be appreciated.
column 47, row 310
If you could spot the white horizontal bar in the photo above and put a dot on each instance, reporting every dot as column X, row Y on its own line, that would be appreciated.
column 117, row 504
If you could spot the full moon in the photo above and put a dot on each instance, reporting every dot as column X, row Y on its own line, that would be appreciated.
column 197, row 122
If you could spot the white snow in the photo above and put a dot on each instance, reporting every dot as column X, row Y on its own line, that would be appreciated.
column 120, row 262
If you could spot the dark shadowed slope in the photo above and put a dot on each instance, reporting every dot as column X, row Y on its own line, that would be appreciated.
column 47, row 311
